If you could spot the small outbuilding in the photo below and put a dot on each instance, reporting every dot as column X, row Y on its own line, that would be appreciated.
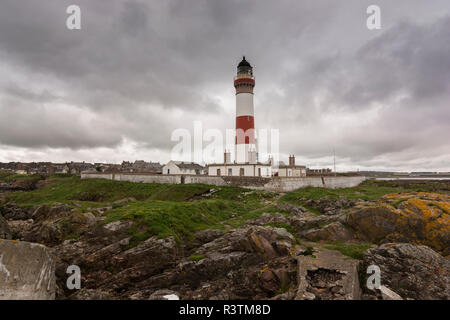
column 180, row 167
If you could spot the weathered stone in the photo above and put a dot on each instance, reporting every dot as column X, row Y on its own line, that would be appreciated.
column 412, row 271
column 91, row 294
column 410, row 217
column 206, row 236
column 388, row 294
column 335, row 231
column 118, row 225
column 328, row 275
column 27, row 271
column 164, row 294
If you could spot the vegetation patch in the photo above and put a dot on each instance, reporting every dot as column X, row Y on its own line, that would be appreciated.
column 352, row 250
column 196, row 257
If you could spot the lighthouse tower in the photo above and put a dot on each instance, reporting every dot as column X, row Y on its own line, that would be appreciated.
column 244, row 83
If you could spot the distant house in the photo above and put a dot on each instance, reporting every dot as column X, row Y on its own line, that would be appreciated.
column 291, row 170
column 180, row 167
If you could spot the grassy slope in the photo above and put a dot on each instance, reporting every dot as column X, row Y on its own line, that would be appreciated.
column 161, row 209
column 178, row 210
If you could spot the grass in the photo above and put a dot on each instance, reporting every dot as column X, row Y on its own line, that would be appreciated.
column 196, row 257
column 352, row 250
column 160, row 210
column 178, row 210
column 366, row 191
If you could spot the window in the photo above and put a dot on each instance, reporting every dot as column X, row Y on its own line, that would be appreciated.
column 241, row 172
column 230, row 171
column 218, row 172
column 168, row 171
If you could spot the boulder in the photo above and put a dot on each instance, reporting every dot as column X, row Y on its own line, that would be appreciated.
column 27, row 271
column 420, row 218
column 334, row 231
column 411, row 271
column 206, row 236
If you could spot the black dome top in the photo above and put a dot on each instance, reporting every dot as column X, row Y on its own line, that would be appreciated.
column 244, row 63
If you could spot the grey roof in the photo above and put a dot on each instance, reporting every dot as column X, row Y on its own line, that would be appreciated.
column 188, row 165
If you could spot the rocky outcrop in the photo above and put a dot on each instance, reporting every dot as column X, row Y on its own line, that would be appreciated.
column 411, row 271
column 27, row 271
column 421, row 218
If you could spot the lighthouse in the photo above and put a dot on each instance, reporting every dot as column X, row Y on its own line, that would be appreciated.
column 246, row 161
column 244, row 82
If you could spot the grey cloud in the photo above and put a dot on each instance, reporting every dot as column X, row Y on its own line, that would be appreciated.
column 139, row 69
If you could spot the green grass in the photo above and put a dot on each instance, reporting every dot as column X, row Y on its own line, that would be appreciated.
column 352, row 250
column 71, row 188
column 365, row 191
column 11, row 177
column 176, row 210
column 196, row 257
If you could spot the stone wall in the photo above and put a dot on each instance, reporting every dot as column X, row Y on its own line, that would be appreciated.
column 276, row 184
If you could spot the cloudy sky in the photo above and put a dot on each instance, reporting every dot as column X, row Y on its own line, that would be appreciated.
column 137, row 70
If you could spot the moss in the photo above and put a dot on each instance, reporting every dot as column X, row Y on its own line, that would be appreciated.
column 196, row 257
column 352, row 250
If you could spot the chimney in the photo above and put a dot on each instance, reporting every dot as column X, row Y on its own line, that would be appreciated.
column 291, row 160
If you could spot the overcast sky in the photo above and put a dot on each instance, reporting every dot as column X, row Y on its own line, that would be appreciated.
column 137, row 70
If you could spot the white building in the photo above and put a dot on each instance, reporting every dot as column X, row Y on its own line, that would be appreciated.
column 291, row 170
column 180, row 167
column 240, row 169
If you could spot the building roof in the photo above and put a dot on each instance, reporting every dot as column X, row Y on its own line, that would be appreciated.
column 188, row 165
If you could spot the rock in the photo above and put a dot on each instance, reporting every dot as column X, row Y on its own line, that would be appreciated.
column 418, row 218
column 5, row 232
column 86, row 219
column 91, row 294
column 124, row 200
column 13, row 212
column 388, row 294
column 20, row 227
column 118, row 225
column 334, row 231
column 269, row 281
column 328, row 275
column 45, row 212
column 27, row 271
column 206, row 236
column 164, row 294
column 412, row 271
